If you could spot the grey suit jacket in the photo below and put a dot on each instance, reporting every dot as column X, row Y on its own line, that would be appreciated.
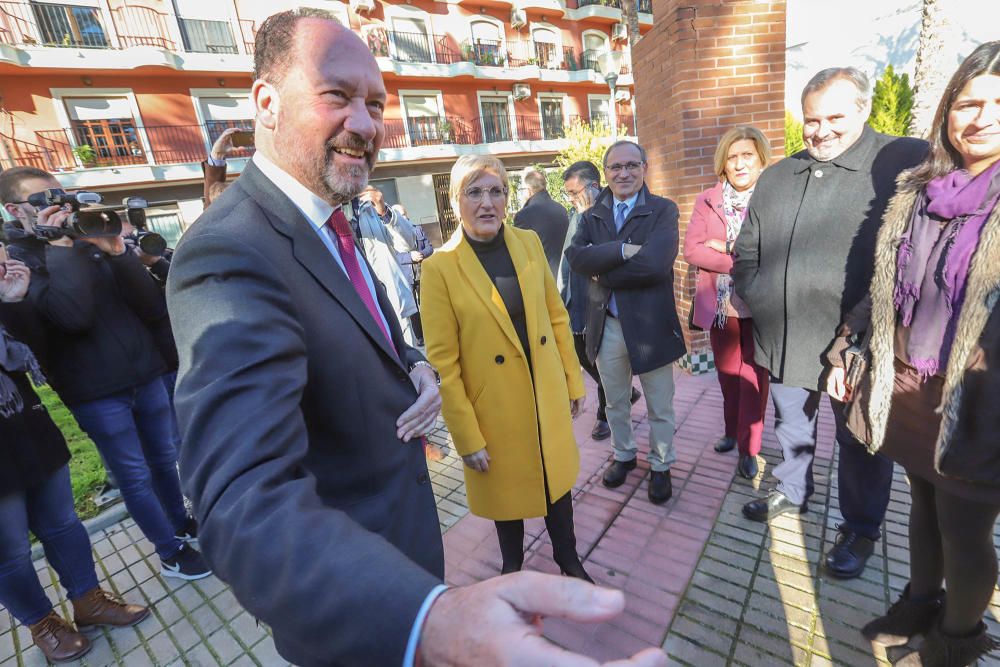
column 318, row 516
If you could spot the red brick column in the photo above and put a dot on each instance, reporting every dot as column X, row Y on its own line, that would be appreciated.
column 705, row 66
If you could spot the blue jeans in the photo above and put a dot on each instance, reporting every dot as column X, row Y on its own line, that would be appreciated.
column 134, row 431
column 47, row 511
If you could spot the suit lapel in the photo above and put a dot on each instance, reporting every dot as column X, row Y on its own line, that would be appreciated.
column 314, row 256
column 484, row 288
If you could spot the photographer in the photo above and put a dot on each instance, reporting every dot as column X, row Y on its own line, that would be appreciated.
column 36, row 495
column 96, row 302
column 214, row 168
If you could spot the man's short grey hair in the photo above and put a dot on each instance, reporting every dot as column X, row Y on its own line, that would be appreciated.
column 623, row 142
column 825, row 77
column 535, row 180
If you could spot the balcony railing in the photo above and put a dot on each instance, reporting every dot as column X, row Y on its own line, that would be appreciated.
column 47, row 24
column 429, row 131
column 142, row 26
column 588, row 60
column 645, row 6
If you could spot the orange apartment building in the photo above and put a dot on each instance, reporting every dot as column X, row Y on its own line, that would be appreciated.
column 148, row 85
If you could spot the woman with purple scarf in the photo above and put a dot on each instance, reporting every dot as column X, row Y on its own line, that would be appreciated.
column 716, row 220
column 932, row 391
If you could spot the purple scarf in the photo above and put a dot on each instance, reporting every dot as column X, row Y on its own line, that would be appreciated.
column 934, row 257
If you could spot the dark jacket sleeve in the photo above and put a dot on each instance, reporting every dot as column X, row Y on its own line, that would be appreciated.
column 333, row 589
column 589, row 259
column 654, row 263
column 65, row 295
column 746, row 253
column 138, row 289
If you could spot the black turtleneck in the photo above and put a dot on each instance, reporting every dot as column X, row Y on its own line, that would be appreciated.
column 499, row 266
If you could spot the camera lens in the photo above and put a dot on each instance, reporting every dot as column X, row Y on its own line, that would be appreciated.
column 97, row 223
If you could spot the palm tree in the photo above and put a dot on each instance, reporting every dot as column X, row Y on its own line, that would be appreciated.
column 937, row 53
column 630, row 12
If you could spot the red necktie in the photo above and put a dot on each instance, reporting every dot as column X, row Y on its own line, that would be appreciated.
column 345, row 244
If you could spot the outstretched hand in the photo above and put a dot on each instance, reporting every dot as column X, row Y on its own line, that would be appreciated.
column 499, row 622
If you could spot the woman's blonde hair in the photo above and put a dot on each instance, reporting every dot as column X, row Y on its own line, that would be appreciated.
column 467, row 169
column 739, row 133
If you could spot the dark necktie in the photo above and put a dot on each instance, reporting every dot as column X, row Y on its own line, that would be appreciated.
column 348, row 255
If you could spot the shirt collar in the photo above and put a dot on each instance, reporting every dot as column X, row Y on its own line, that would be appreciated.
column 313, row 208
column 854, row 158
column 629, row 203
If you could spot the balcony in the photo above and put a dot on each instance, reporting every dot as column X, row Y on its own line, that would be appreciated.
column 588, row 60
column 412, row 47
column 29, row 24
column 644, row 6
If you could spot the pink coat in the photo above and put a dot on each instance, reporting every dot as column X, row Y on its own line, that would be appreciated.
column 708, row 221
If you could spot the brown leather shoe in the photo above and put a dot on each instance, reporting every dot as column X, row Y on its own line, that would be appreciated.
column 99, row 607
column 58, row 640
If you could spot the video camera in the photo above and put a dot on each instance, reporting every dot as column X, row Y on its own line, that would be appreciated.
column 82, row 222
column 149, row 242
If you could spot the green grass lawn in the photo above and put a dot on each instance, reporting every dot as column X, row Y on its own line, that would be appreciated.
column 85, row 468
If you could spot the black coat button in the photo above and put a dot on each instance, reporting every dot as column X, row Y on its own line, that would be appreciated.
column 544, row 339
column 423, row 478
column 499, row 359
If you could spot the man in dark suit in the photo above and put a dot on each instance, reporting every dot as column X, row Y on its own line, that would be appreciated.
column 627, row 243
column 545, row 217
column 303, row 408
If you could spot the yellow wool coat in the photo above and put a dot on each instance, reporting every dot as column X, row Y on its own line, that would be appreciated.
column 489, row 399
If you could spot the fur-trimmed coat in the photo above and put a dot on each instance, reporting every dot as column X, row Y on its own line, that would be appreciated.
column 968, row 444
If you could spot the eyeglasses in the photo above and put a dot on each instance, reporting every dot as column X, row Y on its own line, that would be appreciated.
column 477, row 194
column 618, row 167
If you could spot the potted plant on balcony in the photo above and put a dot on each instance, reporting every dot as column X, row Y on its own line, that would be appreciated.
column 86, row 155
column 378, row 42
column 445, row 129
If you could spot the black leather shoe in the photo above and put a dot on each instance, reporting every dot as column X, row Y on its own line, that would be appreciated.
column 636, row 395
column 601, row 431
column 747, row 467
column 617, row 472
column 576, row 571
column 660, row 487
column 847, row 558
column 773, row 506
column 725, row 444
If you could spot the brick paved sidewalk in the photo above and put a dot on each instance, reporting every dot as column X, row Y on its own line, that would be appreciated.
column 710, row 587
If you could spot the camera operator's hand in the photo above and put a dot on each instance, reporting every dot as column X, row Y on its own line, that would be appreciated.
column 224, row 143
column 109, row 245
column 14, row 280
column 147, row 260
column 56, row 216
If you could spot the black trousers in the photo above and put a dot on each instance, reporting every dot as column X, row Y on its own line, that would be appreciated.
column 579, row 341
column 559, row 523
column 951, row 539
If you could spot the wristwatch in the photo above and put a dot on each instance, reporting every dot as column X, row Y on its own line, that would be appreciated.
column 437, row 376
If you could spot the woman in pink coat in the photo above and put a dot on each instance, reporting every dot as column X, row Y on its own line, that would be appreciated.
column 718, row 215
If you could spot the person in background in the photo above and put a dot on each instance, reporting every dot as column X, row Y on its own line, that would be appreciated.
column 803, row 259
column 934, row 378
column 582, row 185
column 499, row 335
column 36, row 496
column 387, row 240
column 626, row 244
column 422, row 249
column 718, row 214
column 545, row 217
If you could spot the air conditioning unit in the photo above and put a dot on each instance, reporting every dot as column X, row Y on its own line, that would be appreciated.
column 518, row 18
column 522, row 91
column 619, row 32
column 623, row 95
column 362, row 6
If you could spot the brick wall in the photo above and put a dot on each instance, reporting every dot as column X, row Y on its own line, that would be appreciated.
column 705, row 66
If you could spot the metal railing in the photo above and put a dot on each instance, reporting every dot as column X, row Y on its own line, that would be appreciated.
column 430, row 131
column 202, row 36
column 588, row 60
column 44, row 24
column 644, row 6
column 142, row 26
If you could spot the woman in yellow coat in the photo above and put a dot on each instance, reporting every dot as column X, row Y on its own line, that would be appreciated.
column 498, row 333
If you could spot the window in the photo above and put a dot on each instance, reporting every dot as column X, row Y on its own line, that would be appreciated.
column 64, row 25
column 487, row 44
column 424, row 118
column 221, row 113
column 552, row 117
column 495, row 119
column 106, row 125
column 411, row 41
column 204, row 27
column 546, row 48
column 594, row 44
column 598, row 105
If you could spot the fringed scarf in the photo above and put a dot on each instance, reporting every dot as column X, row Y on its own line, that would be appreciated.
column 734, row 207
column 933, row 262
column 15, row 357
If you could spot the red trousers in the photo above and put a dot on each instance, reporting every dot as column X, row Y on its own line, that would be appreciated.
column 744, row 383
